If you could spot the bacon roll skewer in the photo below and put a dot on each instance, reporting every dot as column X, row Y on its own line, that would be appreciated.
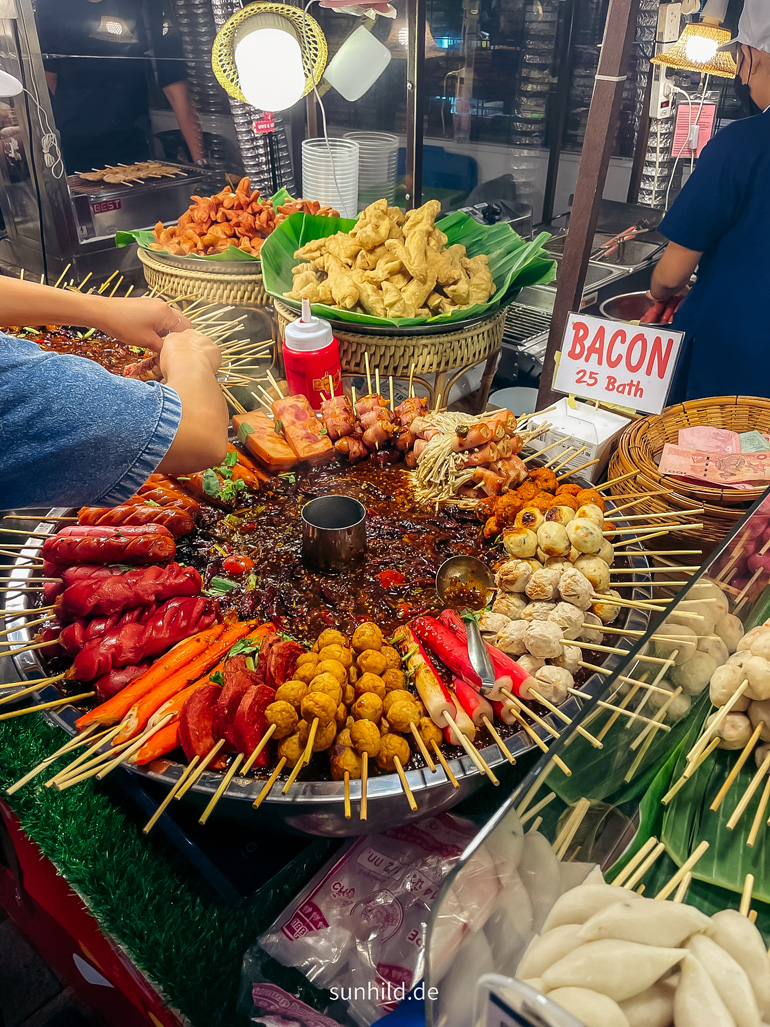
column 409, row 409
column 338, row 417
column 352, row 449
column 374, row 401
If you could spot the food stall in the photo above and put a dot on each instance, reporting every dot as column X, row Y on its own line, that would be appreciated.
column 288, row 718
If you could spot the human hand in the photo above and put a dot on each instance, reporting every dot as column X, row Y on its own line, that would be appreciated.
column 144, row 323
column 183, row 349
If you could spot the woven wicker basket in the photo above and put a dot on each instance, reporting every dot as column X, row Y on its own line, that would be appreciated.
column 640, row 447
column 397, row 354
column 241, row 289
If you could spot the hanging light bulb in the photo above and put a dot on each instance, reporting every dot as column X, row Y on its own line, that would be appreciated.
column 9, row 84
column 268, row 58
column 700, row 50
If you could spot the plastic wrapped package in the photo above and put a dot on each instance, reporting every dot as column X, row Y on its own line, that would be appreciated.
column 358, row 928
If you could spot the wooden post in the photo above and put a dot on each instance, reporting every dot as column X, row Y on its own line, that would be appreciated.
column 597, row 148
column 415, row 100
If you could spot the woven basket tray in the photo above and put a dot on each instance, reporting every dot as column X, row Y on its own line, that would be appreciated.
column 397, row 354
column 640, row 447
column 240, row 289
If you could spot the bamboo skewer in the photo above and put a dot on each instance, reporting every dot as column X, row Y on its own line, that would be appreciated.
column 574, row 470
column 716, row 723
column 740, row 809
column 257, row 750
column 481, row 765
column 659, row 716
column 564, row 838
column 615, row 481
column 208, row 759
column 736, row 768
column 626, row 713
column 33, row 686
column 615, row 650
column 54, row 704
column 411, row 380
column 539, row 741
column 347, row 809
column 690, row 771
column 221, row 789
column 27, row 611
column 570, row 451
column 171, row 795
column 646, row 864
column 630, row 604
column 657, row 516
column 530, row 814
column 26, row 624
column 682, row 872
column 634, row 502
column 368, row 373
column 85, row 757
column 445, row 766
column 73, row 743
column 377, row 381
column 565, row 719
column 269, row 783
column 683, row 888
column 531, row 714
column 746, row 893
column 405, row 784
column 495, row 735
column 364, row 810
column 304, row 758
column 572, row 456
column 649, row 584
column 539, row 452
column 423, row 749
column 759, row 816
column 634, row 862
column 652, row 528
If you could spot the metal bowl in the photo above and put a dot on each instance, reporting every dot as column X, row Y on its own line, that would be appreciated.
column 629, row 306
column 310, row 807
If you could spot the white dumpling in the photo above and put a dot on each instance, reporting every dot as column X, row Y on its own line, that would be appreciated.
column 576, row 589
column 584, row 535
column 675, row 638
column 730, row 630
column 552, row 539
column 573, row 874
column 596, row 570
column 697, row 1001
column 607, row 552
column 595, row 632
column 511, row 638
column 759, row 713
column 553, row 684
column 725, row 682
column 580, row 904
column 729, row 978
column 760, row 754
column 711, row 591
column 513, row 576
column 509, row 605
column 679, row 707
column 761, row 646
column 570, row 659
column 700, row 616
column 542, row 586
column 538, row 611
column 620, row 969
column 757, row 671
column 645, row 921
column 590, row 1007
column 543, row 639
column 519, row 543
column 653, row 1007
column 491, row 623
column 737, row 935
column 694, row 674
column 530, row 664
column 715, row 647
column 569, row 619
column 539, row 870
column 735, row 730
column 739, row 657
column 545, row 950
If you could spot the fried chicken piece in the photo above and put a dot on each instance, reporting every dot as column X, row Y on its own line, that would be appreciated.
column 369, row 296
column 396, row 302
column 482, row 285
column 373, row 226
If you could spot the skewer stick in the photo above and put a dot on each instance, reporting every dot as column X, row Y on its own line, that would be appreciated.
column 658, row 516
column 26, row 612
column 116, row 286
column 258, row 749
column 27, row 624
column 304, row 758
column 617, row 651
column 690, row 770
column 171, row 795
column 364, row 784
column 269, row 783
column 736, row 768
column 73, row 743
column 683, row 888
column 748, row 888
column 635, row 502
column 79, row 288
column 331, row 387
column 657, row 552
column 106, row 282
column 377, row 380
column 539, row 452
column 630, row 604
column 54, row 704
column 682, row 872
column 207, row 760
column 445, row 766
column 390, row 389
column 615, row 481
column 533, row 716
column 103, row 739
column 368, row 372
column 747, row 795
column 20, row 589
column 221, row 789
column 650, row 584
column 134, row 747
column 495, row 734
column 405, row 784
column 669, row 569
column 659, row 716
column 347, row 795
column 565, row 836
column 652, row 527
column 572, row 456
column 533, row 812
column 759, row 816
column 716, row 723
column 743, row 595
column 437, row 404
column 62, row 276
column 418, row 740
column 471, row 750
column 353, row 395
column 26, row 534
column 626, row 713
column 639, row 873
column 539, row 741
column 565, row 719
column 637, row 858
column 32, row 687
column 574, row 470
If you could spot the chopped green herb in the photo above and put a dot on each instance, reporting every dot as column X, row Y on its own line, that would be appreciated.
column 278, row 426
column 217, row 678
column 250, row 665
column 231, row 459
column 286, row 638
column 289, row 476
column 221, row 585
column 150, row 502
column 210, row 483
column 245, row 646
column 89, row 333
column 251, row 582
column 323, row 431
column 230, row 489
column 243, row 432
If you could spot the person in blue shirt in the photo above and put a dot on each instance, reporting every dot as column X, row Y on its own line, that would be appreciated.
column 74, row 434
column 720, row 223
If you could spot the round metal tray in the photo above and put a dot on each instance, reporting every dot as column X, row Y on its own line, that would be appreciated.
column 312, row 807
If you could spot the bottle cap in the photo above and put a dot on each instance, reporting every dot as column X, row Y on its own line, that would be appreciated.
column 308, row 333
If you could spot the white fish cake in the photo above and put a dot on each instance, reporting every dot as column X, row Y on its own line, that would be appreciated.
column 584, row 535
column 736, row 934
column 620, row 969
column 756, row 670
column 596, row 570
column 575, row 588
column 697, row 1001
column 653, row 1007
column 511, row 639
column 543, row 640
column 520, row 543
column 591, row 512
column 730, row 630
column 590, row 1007
column 580, row 904
column 569, row 620
column 543, row 951
column 647, row 922
column 729, row 978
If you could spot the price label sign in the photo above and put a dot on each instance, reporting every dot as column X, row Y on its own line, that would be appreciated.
column 619, row 363
column 503, row 1002
column 264, row 124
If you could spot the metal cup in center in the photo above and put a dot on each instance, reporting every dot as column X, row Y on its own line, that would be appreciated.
column 333, row 533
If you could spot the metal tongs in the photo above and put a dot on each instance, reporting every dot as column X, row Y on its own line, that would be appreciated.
column 465, row 583
column 613, row 245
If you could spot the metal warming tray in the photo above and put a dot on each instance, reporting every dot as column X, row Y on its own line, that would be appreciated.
column 312, row 807
column 630, row 255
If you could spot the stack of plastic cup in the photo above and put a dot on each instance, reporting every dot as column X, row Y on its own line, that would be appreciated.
column 330, row 173
column 376, row 166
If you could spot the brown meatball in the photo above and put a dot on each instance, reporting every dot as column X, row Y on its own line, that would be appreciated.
column 402, row 715
column 348, row 695
column 429, row 732
column 284, row 716
column 371, row 661
column 318, row 704
column 545, row 478
column 333, row 667
column 586, row 496
column 570, row 490
column 366, row 737
column 324, row 734
column 367, row 707
column 393, row 679
column 397, row 695
column 345, row 761
column 307, row 658
column 291, row 750
column 292, row 692
column 306, row 672
column 393, row 747
column 331, row 637
column 370, row 683
column 527, row 490
column 329, row 685
column 338, row 653
column 392, row 657
column 367, row 636
column 341, row 715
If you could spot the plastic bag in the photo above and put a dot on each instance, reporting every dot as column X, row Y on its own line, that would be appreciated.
column 358, row 929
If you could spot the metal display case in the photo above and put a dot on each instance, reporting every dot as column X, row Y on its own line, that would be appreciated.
column 649, row 780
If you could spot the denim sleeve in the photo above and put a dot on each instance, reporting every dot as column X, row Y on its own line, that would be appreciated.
column 72, row 433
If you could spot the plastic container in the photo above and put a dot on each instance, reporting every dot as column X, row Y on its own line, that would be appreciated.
column 377, row 166
column 311, row 356
column 330, row 173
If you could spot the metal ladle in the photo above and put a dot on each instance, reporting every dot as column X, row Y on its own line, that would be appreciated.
column 465, row 583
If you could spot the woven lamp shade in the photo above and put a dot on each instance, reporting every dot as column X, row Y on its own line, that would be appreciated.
column 696, row 41
column 309, row 34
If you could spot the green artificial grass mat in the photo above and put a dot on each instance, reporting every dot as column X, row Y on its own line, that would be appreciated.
column 186, row 940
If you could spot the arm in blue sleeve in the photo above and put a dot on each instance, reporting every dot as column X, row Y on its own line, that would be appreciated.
column 72, row 433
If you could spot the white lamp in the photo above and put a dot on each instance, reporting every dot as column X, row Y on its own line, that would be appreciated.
column 9, row 84
column 269, row 62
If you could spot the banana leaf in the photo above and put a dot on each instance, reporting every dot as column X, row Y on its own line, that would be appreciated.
column 514, row 263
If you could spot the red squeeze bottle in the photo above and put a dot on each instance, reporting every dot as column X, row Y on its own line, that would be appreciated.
column 311, row 356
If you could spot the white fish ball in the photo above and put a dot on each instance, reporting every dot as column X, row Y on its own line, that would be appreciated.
column 759, row 713
column 584, row 535
column 530, row 664
column 554, row 683
column 511, row 639
column 675, row 638
column 538, row 611
column 510, row 605
column 542, row 586
column 757, row 671
column 569, row 619
column 520, row 543
column 735, row 730
column 594, row 633
column 760, row 646
column 596, row 570
column 552, row 539
column 491, row 623
column 570, row 658
column 607, row 552
column 592, row 512
column 606, row 611
column 678, row 707
column 715, row 647
column 694, row 674
column 725, row 682
column 543, row 639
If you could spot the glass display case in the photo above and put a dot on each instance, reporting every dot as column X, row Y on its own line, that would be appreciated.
column 667, row 775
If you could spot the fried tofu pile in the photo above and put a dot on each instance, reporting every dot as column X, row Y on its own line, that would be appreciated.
column 229, row 218
column 392, row 265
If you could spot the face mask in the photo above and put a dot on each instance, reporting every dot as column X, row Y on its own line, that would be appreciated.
column 743, row 92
